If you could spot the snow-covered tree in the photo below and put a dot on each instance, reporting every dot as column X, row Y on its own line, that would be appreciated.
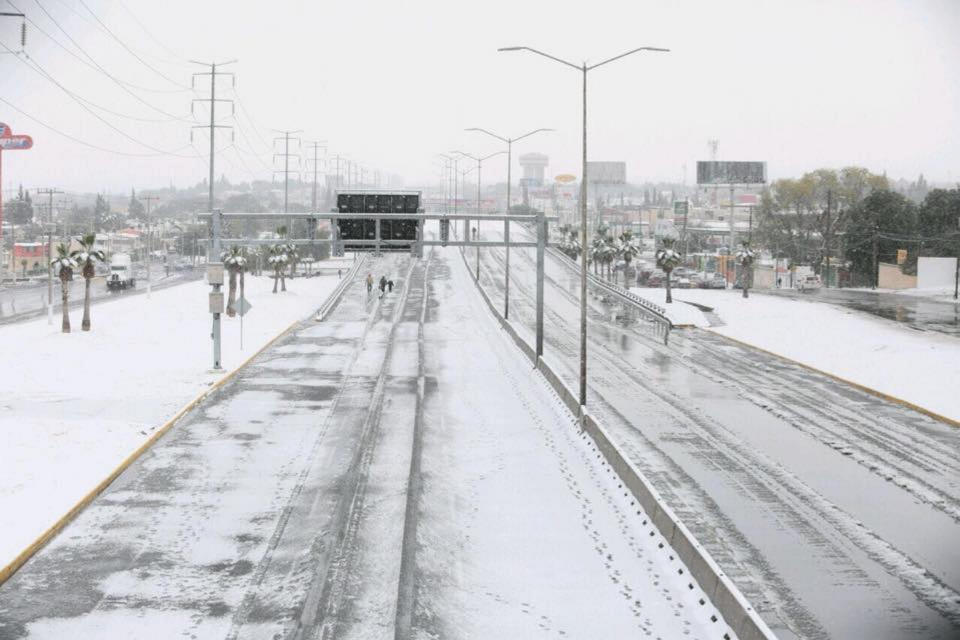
column 668, row 259
column 627, row 249
column 235, row 261
column 746, row 256
column 278, row 262
column 86, row 258
column 63, row 265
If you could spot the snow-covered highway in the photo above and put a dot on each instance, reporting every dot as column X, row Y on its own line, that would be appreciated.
column 836, row 512
column 392, row 471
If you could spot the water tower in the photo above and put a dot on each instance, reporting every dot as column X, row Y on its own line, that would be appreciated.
column 534, row 165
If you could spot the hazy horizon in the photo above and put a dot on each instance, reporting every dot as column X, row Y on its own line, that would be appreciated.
column 799, row 86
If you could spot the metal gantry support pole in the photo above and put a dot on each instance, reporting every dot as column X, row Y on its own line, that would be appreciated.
column 583, row 253
column 541, row 246
column 216, row 222
column 506, row 239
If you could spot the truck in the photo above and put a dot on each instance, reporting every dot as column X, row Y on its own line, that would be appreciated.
column 121, row 273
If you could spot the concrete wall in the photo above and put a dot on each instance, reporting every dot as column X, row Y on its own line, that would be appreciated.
column 892, row 278
column 936, row 272
column 764, row 277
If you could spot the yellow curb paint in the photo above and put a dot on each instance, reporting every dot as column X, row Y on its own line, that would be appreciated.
column 871, row 391
column 7, row 572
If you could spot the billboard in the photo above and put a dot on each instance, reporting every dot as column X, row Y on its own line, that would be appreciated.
column 607, row 172
column 718, row 172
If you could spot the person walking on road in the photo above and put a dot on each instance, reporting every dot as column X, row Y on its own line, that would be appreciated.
column 383, row 285
column 390, row 286
column 369, row 283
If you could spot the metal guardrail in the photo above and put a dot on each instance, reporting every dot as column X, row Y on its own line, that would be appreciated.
column 651, row 311
column 335, row 296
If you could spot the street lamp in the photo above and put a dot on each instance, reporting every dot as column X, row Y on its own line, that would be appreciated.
column 479, row 169
column 448, row 188
column 506, row 223
column 584, row 68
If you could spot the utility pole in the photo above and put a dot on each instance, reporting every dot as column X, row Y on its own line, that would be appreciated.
column 50, row 227
column 213, row 247
column 316, row 144
column 149, row 199
column 826, row 240
column 876, row 250
column 286, row 169
column 213, row 100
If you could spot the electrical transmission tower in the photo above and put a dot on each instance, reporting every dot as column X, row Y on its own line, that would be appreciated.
column 286, row 155
column 213, row 100
column 315, row 145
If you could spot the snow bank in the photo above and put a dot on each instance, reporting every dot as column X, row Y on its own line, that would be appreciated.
column 919, row 367
column 75, row 405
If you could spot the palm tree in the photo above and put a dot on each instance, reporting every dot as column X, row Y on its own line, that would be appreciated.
column 234, row 260
column 63, row 265
column 745, row 257
column 628, row 249
column 293, row 256
column 667, row 259
column 278, row 260
column 86, row 258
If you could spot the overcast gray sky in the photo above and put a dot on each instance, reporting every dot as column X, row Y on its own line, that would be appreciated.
column 798, row 84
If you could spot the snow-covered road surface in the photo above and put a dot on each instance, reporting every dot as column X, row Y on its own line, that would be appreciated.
column 75, row 405
column 394, row 471
column 834, row 511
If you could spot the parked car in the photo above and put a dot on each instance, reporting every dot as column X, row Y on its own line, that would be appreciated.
column 807, row 282
column 714, row 281
column 656, row 279
column 683, row 282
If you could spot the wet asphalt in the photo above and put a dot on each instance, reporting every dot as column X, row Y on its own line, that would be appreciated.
column 917, row 313
column 836, row 512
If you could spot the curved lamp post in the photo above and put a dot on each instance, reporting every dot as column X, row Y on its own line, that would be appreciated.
column 506, row 223
column 583, row 68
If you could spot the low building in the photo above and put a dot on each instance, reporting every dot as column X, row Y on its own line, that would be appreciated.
column 28, row 257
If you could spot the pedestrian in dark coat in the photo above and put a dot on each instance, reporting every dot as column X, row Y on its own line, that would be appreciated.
column 390, row 286
column 383, row 283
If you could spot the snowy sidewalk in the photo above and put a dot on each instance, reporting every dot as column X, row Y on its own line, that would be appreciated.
column 75, row 405
column 919, row 367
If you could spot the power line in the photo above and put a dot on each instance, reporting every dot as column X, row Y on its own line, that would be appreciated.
column 88, row 144
column 96, row 115
column 129, row 50
column 35, row 66
column 100, row 68
column 179, row 58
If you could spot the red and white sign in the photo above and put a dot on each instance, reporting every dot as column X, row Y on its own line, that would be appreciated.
column 10, row 143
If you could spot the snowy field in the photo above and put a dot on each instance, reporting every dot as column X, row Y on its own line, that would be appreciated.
column 75, row 405
column 919, row 367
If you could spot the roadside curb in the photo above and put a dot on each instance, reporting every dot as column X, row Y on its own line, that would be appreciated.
column 10, row 569
column 880, row 394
